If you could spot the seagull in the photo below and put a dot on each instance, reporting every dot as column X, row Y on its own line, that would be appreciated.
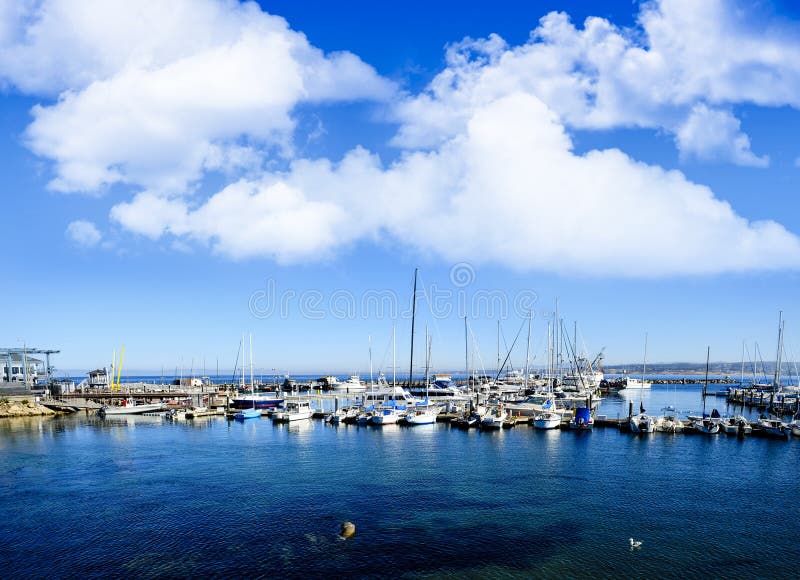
column 635, row 543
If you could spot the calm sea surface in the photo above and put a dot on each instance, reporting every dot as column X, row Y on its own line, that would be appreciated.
column 85, row 497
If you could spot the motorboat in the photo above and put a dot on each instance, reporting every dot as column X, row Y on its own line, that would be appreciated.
column 293, row 411
column 129, row 406
column 549, row 418
column 642, row 423
column 495, row 418
column 351, row 385
column 773, row 427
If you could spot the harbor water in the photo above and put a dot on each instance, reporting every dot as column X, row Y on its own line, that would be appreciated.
column 138, row 496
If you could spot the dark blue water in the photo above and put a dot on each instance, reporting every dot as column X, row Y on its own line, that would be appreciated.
column 86, row 497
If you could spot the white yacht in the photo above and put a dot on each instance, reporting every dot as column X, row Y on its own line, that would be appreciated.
column 495, row 418
column 293, row 411
column 130, row 407
column 351, row 385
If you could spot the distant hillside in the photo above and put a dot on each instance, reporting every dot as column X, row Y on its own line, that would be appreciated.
column 717, row 368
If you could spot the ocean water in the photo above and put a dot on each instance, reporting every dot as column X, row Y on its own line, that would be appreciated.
column 138, row 496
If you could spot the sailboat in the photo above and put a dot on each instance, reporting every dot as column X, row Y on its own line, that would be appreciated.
column 705, row 424
column 424, row 413
column 642, row 422
column 252, row 413
column 391, row 410
column 771, row 425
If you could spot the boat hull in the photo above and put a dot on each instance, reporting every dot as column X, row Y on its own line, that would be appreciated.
column 259, row 402
column 132, row 409
column 283, row 417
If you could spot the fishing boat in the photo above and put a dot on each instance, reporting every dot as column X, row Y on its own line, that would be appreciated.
column 631, row 383
column 293, row 411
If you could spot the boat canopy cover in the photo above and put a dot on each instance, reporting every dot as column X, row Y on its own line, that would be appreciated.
column 582, row 415
column 547, row 404
column 715, row 414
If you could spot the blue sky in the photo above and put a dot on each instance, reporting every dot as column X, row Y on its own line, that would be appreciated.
column 170, row 172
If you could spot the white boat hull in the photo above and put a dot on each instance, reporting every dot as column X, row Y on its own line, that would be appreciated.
column 283, row 417
column 133, row 409
column 421, row 419
column 547, row 421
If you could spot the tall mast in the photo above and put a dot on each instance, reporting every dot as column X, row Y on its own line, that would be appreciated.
column 394, row 358
column 427, row 362
column 413, row 316
column 252, row 384
column 741, row 379
column 780, row 348
column 369, row 339
column 528, row 350
column 705, row 385
column 498, row 346
column 466, row 352
column 644, row 361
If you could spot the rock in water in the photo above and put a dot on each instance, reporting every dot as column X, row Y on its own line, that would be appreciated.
column 347, row 530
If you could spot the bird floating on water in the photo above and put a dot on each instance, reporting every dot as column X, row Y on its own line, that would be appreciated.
column 635, row 543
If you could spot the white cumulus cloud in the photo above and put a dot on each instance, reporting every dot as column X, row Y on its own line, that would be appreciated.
column 156, row 94
column 509, row 190
column 600, row 76
column 83, row 233
column 712, row 135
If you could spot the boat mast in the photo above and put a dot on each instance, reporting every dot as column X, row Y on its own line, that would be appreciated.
column 466, row 353
column 528, row 350
column 705, row 385
column 369, row 340
column 777, row 382
column 413, row 316
column 427, row 363
column 394, row 358
column 498, row 347
column 741, row 379
column 252, row 384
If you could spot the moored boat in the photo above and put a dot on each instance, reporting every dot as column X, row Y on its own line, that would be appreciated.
column 247, row 414
column 130, row 407
column 495, row 418
column 293, row 411
column 583, row 420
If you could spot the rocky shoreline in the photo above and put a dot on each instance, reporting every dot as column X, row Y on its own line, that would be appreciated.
column 23, row 408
